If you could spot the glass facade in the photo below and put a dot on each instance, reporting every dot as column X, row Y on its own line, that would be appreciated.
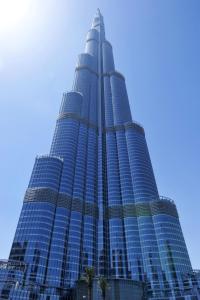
column 93, row 201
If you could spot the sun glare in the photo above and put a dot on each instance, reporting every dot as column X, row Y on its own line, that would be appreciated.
column 12, row 12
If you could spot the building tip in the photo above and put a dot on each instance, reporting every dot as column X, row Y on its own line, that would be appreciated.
column 98, row 11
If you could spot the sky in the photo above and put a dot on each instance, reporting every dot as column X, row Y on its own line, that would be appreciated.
column 156, row 46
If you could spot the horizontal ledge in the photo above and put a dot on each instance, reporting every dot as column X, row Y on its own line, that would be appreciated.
column 73, row 92
column 114, row 73
column 92, row 29
column 36, row 195
column 91, row 39
column 96, row 40
column 126, row 126
column 140, row 209
column 115, row 128
column 85, row 67
column 77, row 118
column 143, row 209
column 107, row 42
column 47, row 156
column 108, row 74
column 97, row 24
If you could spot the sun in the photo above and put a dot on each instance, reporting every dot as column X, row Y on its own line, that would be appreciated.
column 12, row 13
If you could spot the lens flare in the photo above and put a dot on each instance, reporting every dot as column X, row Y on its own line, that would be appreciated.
column 12, row 13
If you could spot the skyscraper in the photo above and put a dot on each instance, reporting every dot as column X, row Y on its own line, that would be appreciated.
column 93, row 201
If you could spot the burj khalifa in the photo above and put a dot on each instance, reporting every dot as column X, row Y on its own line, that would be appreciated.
column 93, row 200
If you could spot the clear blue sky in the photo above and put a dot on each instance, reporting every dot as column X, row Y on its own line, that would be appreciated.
column 156, row 46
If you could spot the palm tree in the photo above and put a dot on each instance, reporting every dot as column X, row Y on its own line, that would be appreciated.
column 103, row 284
column 88, row 278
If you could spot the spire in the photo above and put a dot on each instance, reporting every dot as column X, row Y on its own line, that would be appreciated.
column 98, row 12
column 98, row 23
